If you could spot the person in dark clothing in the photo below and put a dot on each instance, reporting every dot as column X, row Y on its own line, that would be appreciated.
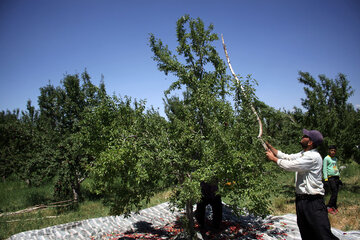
column 209, row 196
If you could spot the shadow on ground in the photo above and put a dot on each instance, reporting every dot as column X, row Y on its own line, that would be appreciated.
column 232, row 227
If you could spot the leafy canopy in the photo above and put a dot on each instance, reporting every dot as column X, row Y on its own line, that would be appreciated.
column 211, row 139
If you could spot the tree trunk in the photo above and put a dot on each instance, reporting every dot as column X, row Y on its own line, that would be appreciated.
column 28, row 182
column 190, row 218
column 76, row 191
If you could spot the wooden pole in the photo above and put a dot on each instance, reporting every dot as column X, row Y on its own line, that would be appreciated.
column 243, row 91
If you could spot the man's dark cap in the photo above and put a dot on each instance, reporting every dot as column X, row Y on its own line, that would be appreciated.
column 332, row 147
column 315, row 136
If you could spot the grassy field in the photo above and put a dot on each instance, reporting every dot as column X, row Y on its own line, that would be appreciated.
column 19, row 196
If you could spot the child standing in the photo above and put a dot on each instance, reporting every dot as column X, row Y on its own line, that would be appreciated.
column 331, row 175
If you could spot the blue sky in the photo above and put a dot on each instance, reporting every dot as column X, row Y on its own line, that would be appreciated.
column 42, row 40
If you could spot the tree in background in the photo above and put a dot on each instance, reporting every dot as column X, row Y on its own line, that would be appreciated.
column 282, row 128
column 328, row 111
column 132, row 144
column 12, row 141
column 210, row 140
column 356, row 132
column 20, row 146
column 61, row 112
column 37, row 167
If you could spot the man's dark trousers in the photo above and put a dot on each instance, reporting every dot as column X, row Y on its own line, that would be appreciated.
column 334, row 183
column 312, row 218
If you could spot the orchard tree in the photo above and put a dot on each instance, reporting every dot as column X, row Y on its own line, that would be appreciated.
column 132, row 145
column 61, row 111
column 328, row 111
column 281, row 127
column 211, row 140
column 38, row 167
column 20, row 146
column 12, row 141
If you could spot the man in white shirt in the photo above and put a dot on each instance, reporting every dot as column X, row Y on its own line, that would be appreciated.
column 311, row 212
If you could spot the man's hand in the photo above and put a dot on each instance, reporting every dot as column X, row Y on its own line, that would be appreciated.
column 272, row 149
column 270, row 155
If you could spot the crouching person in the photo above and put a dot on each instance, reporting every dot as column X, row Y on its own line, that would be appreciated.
column 209, row 196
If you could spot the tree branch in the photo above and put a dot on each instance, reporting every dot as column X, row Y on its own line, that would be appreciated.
column 38, row 207
column 243, row 90
column 30, row 219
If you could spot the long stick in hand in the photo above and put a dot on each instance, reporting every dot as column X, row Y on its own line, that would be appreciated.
column 243, row 91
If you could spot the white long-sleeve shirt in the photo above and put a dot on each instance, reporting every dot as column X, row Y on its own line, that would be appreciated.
column 308, row 168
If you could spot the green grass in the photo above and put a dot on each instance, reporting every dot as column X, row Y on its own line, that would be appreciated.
column 10, row 225
column 19, row 196
column 16, row 195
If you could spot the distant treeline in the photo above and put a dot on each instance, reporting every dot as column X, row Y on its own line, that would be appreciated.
column 76, row 121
